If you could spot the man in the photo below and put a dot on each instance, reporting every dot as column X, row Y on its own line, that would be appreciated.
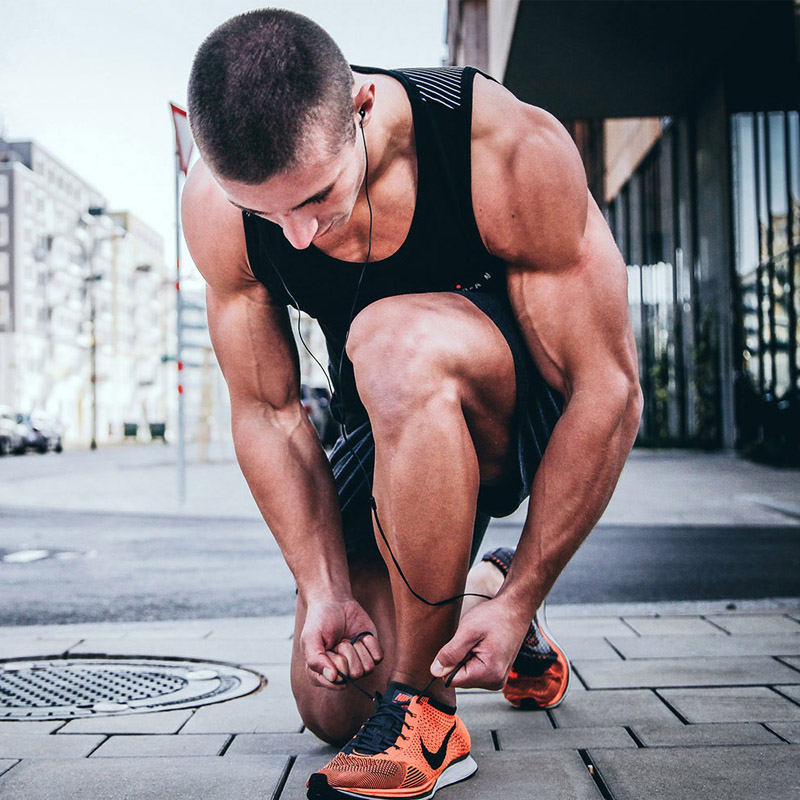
column 469, row 289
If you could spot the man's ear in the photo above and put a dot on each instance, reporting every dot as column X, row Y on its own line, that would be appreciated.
column 363, row 102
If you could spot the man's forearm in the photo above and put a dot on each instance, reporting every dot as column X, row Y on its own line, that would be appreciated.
column 572, row 488
column 290, row 478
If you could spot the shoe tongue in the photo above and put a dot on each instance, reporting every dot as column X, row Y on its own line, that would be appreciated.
column 400, row 693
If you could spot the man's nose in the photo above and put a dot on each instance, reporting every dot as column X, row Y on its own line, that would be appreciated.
column 300, row 231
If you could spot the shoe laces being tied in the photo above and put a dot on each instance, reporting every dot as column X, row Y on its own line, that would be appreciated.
column 382, row 730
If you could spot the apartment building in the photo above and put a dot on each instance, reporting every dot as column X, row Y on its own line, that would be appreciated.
column 85, row 301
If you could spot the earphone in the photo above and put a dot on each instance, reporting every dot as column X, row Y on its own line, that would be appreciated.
column 367, row 477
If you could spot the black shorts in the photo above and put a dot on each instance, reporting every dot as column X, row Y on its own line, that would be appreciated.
column 537, row 411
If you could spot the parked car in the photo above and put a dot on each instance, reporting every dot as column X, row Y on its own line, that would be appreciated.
column 12, row 438
column 42, row 432
column 317, row 402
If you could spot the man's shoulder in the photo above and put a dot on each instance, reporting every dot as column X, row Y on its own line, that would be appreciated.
column 212, row 227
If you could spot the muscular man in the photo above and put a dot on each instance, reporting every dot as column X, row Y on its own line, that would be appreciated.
column 475, row 310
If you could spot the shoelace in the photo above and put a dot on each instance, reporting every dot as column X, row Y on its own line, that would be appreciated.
column 383, row 728
column 347, row 679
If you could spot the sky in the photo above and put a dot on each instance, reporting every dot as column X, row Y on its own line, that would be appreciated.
column 91, row 80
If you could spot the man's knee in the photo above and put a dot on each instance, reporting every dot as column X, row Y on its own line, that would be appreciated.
column 400, row 357
column 334, row 722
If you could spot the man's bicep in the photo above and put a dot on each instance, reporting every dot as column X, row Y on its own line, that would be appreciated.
column 254, row 346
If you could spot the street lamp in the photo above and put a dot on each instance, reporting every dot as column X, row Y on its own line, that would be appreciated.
column 88, row 253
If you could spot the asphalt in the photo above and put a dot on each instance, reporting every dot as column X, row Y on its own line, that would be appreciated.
column 687, row 699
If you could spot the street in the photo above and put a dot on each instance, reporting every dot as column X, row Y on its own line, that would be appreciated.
column 60, row 565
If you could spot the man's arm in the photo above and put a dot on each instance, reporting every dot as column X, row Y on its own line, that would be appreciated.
column 276, row 444
column 568, row 287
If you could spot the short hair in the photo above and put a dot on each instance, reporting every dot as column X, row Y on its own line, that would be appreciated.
column 260, row 84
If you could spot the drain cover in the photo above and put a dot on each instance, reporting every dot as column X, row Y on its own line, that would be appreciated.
column 77, row 687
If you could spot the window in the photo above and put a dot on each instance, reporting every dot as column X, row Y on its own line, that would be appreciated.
column 3, row 191
column 3, row 229
column 5, row 308
column 4, row 269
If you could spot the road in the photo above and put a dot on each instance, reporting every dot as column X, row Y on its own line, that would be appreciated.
column 65, row 566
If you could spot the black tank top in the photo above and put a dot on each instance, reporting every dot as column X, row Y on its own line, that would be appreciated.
column 443, row 250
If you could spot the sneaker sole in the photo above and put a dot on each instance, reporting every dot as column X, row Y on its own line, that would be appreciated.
column 529, row 704
column 319, row 789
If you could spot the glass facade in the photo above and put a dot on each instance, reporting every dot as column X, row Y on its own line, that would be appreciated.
column 651, row 221
column 765, row 151
column 677, row 303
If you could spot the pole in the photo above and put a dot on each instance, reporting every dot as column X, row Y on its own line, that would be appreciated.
column 93, row 349
column 179, row 331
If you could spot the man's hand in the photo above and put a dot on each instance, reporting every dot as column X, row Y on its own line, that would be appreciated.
column 487, row 641
column 328, row 647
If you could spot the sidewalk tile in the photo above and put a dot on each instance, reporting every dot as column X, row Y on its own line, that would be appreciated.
column 703, row 734
column 7, row 763
column 271, row 710
column 157, row 722
column 757, row 623
column 586, row 647
column 790, row 691
column 279, row 744
column 721, row 646
column 30, row 727
column 600, row 709
column 563, row 627
column 139, row 746
column 564, row 739
column 545, row 776
column 21, row 745
column 277, row 627
column 263, row 651
column 794, row 662
column 22, row 647
column 719, row 773
column 144, row 778
column 789, row 730
column 724, row 704
column 491, row 711
column 673, row 626
column 683, row 672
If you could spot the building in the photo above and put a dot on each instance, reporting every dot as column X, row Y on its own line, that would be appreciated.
column 84, row 302
column 686, row 114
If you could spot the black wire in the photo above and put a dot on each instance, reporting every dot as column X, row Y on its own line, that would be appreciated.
column 367, row 477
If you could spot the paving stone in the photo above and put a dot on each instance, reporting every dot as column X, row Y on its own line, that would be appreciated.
column 790, row 691
column 757, row 623
column 789, row 730
column 725, row 704
column 721, row 646
column 23, row 647
column 564, row 739
column 588, row 626
column 157, row 722
column 586, row 647
column 272, row 710
column 703, row 734
column 719, row 773
column 673, row 626
column 661, row 672
column 264, row 651
column 545, row 776
column 601, row 709
column 794, row 662
column 279, row 744
column 144, row 779
column 279, row 627
column 22, row 745
column 210, row 744
column 31, row 727
column 490, row 711
column 7, row 763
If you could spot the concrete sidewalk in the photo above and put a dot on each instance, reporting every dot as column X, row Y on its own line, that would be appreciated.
column 675, row 703
column 669, row 701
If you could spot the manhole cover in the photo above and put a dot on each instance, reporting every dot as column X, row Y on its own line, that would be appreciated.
column 84, row 687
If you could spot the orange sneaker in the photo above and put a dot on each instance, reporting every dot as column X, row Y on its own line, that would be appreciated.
column 410, row 747
column 539, row 677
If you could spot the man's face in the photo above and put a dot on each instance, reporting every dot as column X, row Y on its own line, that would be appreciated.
column 309, row 201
